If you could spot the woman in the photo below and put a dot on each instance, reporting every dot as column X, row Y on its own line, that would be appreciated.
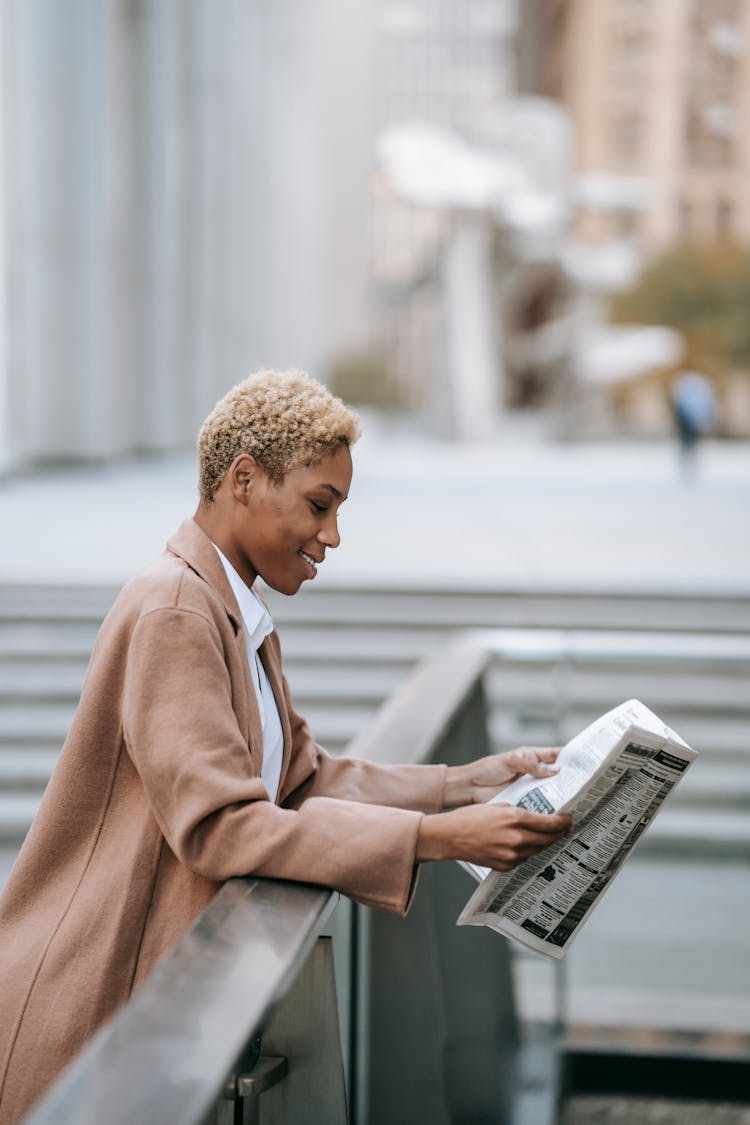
column 186, row 763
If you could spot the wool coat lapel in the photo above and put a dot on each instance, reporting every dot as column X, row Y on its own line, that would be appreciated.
column 200, row 554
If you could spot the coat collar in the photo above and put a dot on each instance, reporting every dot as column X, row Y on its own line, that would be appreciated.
column 192, row 544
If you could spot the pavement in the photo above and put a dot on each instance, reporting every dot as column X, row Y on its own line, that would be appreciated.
column 520, row 510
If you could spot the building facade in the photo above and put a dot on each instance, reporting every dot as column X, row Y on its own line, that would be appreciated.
column 442, row 62
column 659, row 90
column 184, row 195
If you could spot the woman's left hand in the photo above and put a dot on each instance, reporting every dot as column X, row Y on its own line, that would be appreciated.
column 478, row 781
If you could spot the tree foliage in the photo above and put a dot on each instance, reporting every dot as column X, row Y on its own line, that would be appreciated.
column 704, row 292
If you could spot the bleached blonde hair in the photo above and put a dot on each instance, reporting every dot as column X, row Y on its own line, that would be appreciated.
column 284, row 419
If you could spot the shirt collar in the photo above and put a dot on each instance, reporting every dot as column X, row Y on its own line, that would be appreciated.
column 255, row 617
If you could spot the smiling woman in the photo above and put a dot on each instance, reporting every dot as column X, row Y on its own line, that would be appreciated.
column 186, row 763
column 278, row 531
column 274, row 468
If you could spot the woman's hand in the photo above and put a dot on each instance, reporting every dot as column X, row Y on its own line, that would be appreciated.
column 476, row 782
column 497, row 835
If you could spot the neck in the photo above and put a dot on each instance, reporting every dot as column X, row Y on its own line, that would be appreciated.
column 211, row 519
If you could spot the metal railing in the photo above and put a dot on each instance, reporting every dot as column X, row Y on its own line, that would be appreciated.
column 284, row 1003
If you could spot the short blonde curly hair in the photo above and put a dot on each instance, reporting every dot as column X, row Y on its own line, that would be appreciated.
column 284, row 419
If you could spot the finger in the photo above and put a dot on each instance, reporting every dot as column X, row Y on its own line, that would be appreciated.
column 547, row 753
column 539, row 761
column 542, row 769
column 550, row 824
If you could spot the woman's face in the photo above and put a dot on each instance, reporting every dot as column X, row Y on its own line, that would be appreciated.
column 284, row 530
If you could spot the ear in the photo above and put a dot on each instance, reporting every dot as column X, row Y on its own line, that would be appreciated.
column 241, row 474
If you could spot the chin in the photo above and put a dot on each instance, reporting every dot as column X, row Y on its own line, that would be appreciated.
column 287, row 586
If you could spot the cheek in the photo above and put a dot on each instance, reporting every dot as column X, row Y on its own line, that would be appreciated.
column 292, row 527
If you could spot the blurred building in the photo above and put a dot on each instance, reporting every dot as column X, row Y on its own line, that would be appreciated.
column 442, row 62
column 184, row 197
column 187, row 190
column 658, row 89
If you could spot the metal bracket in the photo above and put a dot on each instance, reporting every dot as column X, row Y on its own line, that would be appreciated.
column 244, row 1089
column 265, row 1074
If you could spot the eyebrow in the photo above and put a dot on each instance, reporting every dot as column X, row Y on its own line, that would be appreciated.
column 334, row 491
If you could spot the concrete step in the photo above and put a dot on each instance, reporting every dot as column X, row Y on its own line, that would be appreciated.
column 60, row 640
column 47, row 728
column 715, row 785
column 42, row 685
column 406, row 640
column 25, row 770
column 709, row 786
column 728, row 738
column 678, row 704
column 8, row 855
column 677, row 832
column 336, row 719
column 372, row 624
column 424, row 608
column 36, row 683
column 41, row 725
column 17, row 810
column 717, row 677
column 348, row 650
column 72, row 602
column 38, row 710
column 338, row 706
column 47, row 639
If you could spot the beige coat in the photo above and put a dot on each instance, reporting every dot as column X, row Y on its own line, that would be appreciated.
column 157, row 799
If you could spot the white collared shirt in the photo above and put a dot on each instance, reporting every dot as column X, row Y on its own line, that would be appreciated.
column 257, row 623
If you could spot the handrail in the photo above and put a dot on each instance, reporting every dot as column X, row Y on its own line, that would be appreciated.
column 165, row 1056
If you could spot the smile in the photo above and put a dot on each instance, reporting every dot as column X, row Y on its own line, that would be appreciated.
column 308, row 559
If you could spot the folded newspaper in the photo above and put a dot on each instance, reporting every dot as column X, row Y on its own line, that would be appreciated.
column 613, row 779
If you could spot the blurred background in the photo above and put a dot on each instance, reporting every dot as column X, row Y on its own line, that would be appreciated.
column 517, row 236
column 466, row 211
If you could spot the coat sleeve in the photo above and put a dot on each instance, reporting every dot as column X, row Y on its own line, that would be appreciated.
column 182, row 734
column 313, row 772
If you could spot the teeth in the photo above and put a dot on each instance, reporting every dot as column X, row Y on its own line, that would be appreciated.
column 307, row 558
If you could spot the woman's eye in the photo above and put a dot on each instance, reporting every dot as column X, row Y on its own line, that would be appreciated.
column 320, row 508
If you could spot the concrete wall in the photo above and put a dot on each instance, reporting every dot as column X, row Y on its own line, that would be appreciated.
column 185, row 200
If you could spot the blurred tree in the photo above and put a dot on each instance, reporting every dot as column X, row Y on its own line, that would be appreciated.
column 363, row 378
column 704, row 292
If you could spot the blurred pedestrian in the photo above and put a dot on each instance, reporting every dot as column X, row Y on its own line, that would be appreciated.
column 694, row 408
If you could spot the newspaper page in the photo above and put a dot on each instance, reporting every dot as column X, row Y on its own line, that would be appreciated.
column 614, row 776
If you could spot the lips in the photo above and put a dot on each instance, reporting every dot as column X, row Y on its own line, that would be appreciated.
column 311, row 562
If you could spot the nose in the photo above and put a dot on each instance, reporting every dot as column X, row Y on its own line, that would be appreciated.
column 328, row 534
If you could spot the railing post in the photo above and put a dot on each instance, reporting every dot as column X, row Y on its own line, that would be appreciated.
column 304, row 1029
column 443, row 1035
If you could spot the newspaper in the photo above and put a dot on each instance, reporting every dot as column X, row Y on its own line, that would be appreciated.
column 613, row 778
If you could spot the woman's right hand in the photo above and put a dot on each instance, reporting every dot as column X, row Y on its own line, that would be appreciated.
column 491, row 835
